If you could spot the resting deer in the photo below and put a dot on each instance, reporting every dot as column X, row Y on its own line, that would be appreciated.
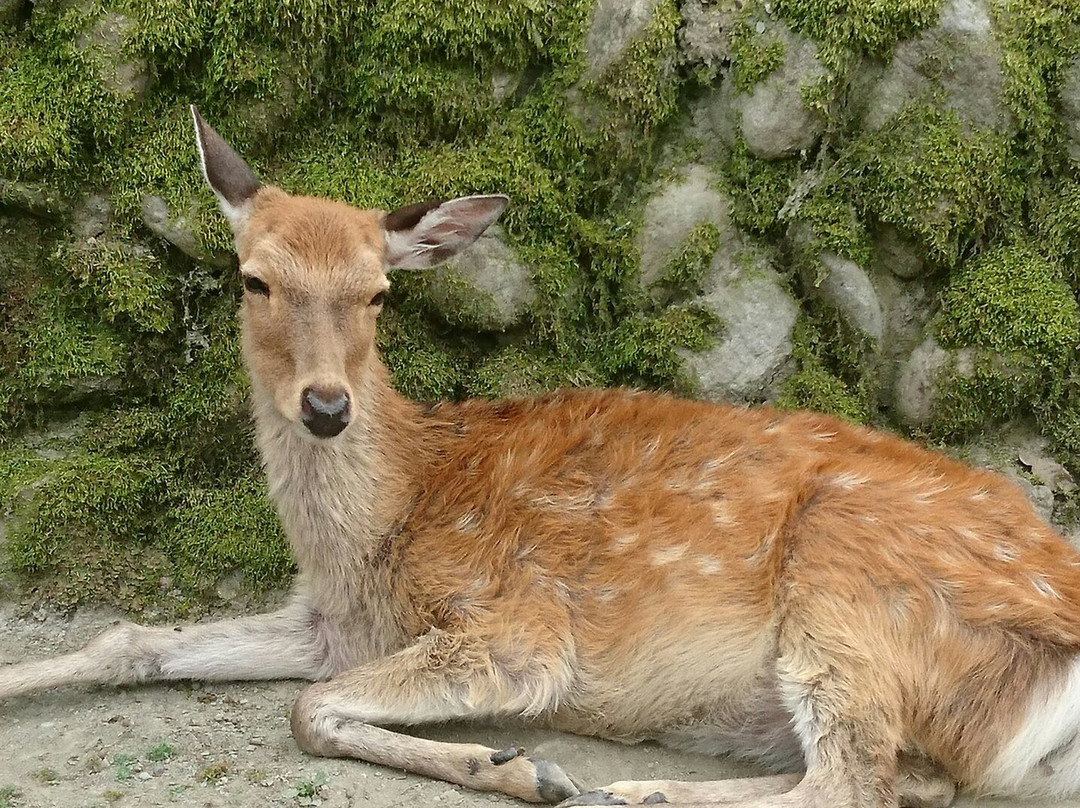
column 784, row 587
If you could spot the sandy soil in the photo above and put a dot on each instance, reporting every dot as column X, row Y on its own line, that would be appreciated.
column 229, row 745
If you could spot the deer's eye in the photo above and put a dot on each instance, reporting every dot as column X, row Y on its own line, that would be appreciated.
column 256, row 286
column 378, row 299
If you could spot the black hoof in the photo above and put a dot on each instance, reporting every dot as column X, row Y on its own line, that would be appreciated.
column 552, row 783
column 506, row 755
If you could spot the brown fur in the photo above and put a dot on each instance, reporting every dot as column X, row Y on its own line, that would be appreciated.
column 783, row 586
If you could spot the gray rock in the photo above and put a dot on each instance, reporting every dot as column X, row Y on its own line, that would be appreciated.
column 615, row 24
column 1070, row 109
column 497, row 283
column 847, row 286
column 703, row 37
column 896, row 254
column 959, row 55
column 118, row 72
column 33, row 197
column 691, row 199
column 754, row 353
column 504, row 85
column 773, row 118
column 918, row 382
column 1021, row 454
column 90, row 219
column 178, row 229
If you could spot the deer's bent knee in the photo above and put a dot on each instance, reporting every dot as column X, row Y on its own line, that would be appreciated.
column 313, row 722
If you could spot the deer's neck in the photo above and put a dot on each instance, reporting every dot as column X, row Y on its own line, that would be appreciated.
column 340, row 499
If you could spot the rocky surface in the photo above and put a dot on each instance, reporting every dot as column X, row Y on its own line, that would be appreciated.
column 690, row 199
column 489, row 281
column 753, row 355
column 773, row 118
column 958, row 57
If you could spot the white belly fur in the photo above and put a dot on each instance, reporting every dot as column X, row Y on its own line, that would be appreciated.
column 1043, row 756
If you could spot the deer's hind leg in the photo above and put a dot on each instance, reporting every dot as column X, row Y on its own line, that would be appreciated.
column 440, row 678
column 919, row 784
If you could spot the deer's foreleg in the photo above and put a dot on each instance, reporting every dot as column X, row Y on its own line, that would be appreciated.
column 436, row 679
column 280, row 645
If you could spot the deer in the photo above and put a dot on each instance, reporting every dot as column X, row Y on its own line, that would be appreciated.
column 877, row 624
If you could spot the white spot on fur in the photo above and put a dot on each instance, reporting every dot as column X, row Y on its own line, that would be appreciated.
column 847, row 480
column 980, row 495
column 667, row 555
column 822, row 435
column 709, row 565
column 723, row 516
column 468, row 521
column 1005, row 552
column 625, row 540
column 1042, row 758
column 1043, row 586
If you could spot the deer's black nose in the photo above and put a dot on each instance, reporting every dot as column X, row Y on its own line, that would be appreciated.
column 325, row 412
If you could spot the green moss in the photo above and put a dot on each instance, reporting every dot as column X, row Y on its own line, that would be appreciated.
column 641, row 86
column 833, row 374
column 1013, row 306
column 868, row 27
column 1012, row 300
column 832, row 224
column 686, row 269
column 1040, row 39
column 754, row 56
column 923, row 172
column 758, row 188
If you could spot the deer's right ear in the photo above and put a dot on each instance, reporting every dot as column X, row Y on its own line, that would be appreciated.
column 229, row 177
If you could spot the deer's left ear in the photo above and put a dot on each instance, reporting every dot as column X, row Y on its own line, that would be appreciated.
column 229, row 177
column 421, row 236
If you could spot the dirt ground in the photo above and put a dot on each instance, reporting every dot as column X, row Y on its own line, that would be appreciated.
column 212, row 745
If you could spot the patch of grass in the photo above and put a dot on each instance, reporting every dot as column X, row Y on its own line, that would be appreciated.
column 124, row 767
column 306, row 792
column 161, row 752
column 214, row 773
column 9, row 797
column 46, row 776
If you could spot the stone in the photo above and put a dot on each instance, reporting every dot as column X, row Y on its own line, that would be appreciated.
column 122, row 74
column 33, row 197
column 1020, row 453
column 614, row 25
column 1070, row 109
column 918, row 382
column 753, row 355
column 959, row 56
column 90, row 219
column 897, row 254
column 691, row 199
column 773, row 118
column 178, row 229
column 498, row 286
column 907, row 307
column 847, row 286
column 703, row 37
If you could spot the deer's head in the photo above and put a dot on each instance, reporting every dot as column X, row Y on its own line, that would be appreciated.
column 315, row 275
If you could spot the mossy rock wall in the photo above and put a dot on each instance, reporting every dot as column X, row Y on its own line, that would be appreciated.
column 126, row 467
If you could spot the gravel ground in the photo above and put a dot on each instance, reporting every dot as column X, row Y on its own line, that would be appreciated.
column 216, row 745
